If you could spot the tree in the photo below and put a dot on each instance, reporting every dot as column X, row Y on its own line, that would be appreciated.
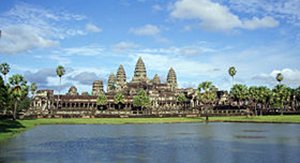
column 101, row 99
column 232, row 72
column 254, row 96
column 4, row 99
column 297, row 97
column 18, row 90
column 4, row 67
column 280, row 96
column 60, row 71
column 239, row 93
column 207, row 94
column 279, row 77
column 33, row 88
column 141, row 99
column 264, row 97
column 119, row 99
column 181, row 98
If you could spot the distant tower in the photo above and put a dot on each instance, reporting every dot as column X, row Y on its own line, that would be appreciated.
column 121, row 78
column 140, row 73
column 97, row 87
column 111, row 84
column 171, row 78
column 156, row 79
column 72, row 91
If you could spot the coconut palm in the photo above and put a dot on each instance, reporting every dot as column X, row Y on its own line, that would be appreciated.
column 239, row 93
column 279, row 77
column 33, row 88
column 4, row 68
column 264, row 97
column 60, row 71
column 280, row 96
column 3, row 96
column 297, row 97
column 232, row 72
column 18, row 90
column 254, row 96
column 119, row 99
column 101, row 99
column 181, row 98
column 141, row 99
column 207, row 94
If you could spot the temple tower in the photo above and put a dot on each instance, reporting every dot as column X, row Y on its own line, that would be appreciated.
column 156, row 79
column 121, row 78
column 171, row 78
column 97, row 87
column 111, row 84
column 140, row 73
column 72, row 91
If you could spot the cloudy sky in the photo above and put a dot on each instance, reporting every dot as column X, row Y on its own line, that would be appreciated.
column 200, row 39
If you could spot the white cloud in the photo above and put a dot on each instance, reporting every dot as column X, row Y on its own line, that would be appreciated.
column 92, row 28
column 123, row 46
column 19, row 38
column 26, row 27
column 287, row 10
column 291, row 77
column 214, row 16
column 89, row 50
column 266, row 22
column 146, row 30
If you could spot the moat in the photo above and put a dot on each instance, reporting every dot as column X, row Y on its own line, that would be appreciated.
column 178, row 142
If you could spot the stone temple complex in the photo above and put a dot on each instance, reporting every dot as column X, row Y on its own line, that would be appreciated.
column 163, row 98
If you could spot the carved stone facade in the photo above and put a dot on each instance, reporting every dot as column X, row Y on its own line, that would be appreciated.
column 163, row 97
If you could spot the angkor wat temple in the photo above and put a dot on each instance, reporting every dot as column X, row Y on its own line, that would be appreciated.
column 163, row 97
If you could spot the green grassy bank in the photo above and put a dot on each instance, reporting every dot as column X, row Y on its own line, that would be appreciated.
column 10, row 128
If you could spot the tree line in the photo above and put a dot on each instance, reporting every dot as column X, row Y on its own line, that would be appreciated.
column 14, row 94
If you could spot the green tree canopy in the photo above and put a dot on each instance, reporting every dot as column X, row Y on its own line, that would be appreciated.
column 4, row 68
column 181, row 98
column 119, row 98
column 239, row 92
column 207, row 92
column 101, row 99
column 141, row 99
column 279, row 77
column 18, row 90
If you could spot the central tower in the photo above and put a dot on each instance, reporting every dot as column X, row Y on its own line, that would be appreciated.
column 140, row 73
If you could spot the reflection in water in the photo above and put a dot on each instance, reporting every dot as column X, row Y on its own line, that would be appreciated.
column 187, row 142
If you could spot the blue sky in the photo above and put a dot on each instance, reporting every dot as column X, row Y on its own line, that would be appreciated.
column 200, row 39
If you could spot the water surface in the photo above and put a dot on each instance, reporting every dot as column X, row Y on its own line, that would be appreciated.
column 179, row 142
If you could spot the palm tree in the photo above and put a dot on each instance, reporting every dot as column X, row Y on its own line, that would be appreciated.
column 141, row 99
column 207, row 94
column 254, row 96
column 239, row 93
column 60, row 71
column 4, row 67
column 33, row 88
column 181, row 98
column 264, row 97
column 297, row 97
column 232, row 72
column 279, row 77
column 280, row 96
column 101, row 99
column 18, row 90
column 119, row 99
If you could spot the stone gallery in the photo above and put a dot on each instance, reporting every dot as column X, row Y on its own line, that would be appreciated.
column 163, row 98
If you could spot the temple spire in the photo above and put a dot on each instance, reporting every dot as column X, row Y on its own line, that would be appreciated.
column 121, row 77
column 140, row 73
column 156, row 79
column 171, row 78
column 111, row 82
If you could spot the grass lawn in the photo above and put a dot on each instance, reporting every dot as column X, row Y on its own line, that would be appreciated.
column 10, row 128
